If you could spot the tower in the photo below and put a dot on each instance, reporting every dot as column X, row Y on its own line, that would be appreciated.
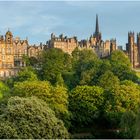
column 131, row 47
column 138, row 46
column 97, row 33
column 8, row 37
column 112, row 45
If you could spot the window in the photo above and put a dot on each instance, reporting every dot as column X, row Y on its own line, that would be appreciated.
column 8, row 57
column 3, row 50
column 3, row 57
column 9, row 50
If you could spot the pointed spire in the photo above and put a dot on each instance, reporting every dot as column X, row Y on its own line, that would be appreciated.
column 97, row 25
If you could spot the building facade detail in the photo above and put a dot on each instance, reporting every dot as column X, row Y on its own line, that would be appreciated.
column 95, row 43
column 64, row 43
column 133, row 49
column 12, row 51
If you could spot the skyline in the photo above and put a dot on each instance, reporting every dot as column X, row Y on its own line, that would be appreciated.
column 37, row 20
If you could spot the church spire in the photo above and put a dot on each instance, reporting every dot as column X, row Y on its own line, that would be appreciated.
column 97, row 33
column 97, row 25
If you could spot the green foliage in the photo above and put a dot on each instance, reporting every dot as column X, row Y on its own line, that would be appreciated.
column 55, row 97
column 85, row 103
column 121, row 66
column 33, row 61
column 4, row 90
column 128, row 125
column 53, row 63
column 30, row 118
column 59, row 80
column 101, row 90
column 118, row 57
column 85, row 66
column 26, row 74
column 118, row 100
column 26, row 60
column 137, row 124
column 108, row 80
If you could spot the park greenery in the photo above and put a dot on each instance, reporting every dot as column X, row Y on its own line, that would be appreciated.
column 58, row 95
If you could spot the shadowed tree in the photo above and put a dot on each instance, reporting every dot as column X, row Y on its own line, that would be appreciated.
column 30, row 118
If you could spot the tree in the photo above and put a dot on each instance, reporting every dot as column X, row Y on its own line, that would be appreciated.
column 25, row 74
column 25, row 58
column 30, row 118
column 121, row 66
column 4, row 90
column 137, row 125
column 33, row 61
column 108, row 80
column 53, row 62
column 103, row 66
column 55, row 97
column 59, row 80
column 85, row 103
column 119, row 100
column 128, row 125
column 85, row 67
column 118, row 57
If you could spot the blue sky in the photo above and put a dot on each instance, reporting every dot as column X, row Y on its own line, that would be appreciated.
column 37, row 20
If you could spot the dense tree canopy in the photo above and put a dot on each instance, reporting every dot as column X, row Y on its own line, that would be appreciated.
column 4, row 90
column 53, row 62
column 55, row 97
column 85, row 103
column 25, row 74
column 121, row 99
column 128, row 125
column 30, row 118
column 108, row 80
column 85, row 65
column 82, row 90
column 121, row 66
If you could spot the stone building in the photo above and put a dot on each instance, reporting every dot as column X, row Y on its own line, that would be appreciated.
column 133, row 49
column 95, row 42
column 64, row 43
column 12, row 51
column 34, row 50
column 6, row 55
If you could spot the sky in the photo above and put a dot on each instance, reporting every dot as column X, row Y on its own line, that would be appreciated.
column 38, row 19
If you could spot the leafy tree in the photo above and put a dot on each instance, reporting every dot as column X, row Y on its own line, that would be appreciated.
column 137, row 124
column 118, row 57
column 121, row 99
column 108, row 80
column 25, row 74
column 76, row 54
column 85, row 66
column 25, row 58
column 121, row 66
column 59, row 80
column 33, row 61
column 128, row 125
column 30, row 118
column 53, row 62
column 4, row 90
column 55, row 97
column 103, row 66
column 85, row 103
